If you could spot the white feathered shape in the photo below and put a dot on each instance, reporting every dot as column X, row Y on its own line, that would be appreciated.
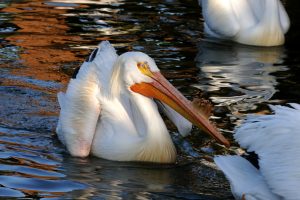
column 276, row 140
column 108, row 109
column 251, row 22
column 246, row 182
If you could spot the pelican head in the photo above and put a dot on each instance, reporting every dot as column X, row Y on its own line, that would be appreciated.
column 140, row 75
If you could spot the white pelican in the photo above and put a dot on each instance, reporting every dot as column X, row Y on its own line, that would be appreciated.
column 276, row 140
column 108, row 110
column 251, row 22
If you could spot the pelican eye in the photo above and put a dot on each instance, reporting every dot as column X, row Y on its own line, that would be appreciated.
column 144, row 68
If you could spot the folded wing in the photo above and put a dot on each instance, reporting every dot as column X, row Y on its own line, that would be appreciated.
column 220, row 17
column 80, row 107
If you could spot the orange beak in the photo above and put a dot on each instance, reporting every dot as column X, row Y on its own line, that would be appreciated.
column 162, row 90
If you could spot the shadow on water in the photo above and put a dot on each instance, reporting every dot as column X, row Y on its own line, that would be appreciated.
column 43, row 41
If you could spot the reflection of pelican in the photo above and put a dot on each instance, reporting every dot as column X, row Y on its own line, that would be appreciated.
column 134, row 180
column 252, row 22
column 108, row 109
column 243, row 71
column 276, row 139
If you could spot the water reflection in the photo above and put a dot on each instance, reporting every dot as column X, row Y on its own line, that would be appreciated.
column 61, row 3
column 238, row 76
column 29, row 166
column 147, row 181
column 39, row 28
column 43, row 41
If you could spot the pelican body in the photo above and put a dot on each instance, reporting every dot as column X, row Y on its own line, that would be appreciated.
column 250, row 22
column 276, row 140
column 109, row 110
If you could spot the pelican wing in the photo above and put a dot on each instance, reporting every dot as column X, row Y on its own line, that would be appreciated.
column 284, row 18
column 80, row 107
column 258, row 8
column 276, row 139
column 220, row 18
column 244, row 178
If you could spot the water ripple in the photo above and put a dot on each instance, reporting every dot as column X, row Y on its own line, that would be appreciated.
column 43, row 41
column 239, row 76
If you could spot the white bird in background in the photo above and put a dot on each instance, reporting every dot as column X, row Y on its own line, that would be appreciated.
column 251, row 22
column 276, row 140
column 108, row 109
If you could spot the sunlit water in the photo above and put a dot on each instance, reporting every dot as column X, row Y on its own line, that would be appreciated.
column 42, row 42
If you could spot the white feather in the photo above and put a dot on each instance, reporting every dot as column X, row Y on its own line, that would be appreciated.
column 284, row 18
column 276, row 139
column 244, row 178
column 219, row 18
column 80, row 107
column 252, row 22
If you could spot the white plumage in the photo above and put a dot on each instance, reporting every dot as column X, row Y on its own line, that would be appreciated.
column 108, row 109
column 245, row 180
column 251, row 22
column 276, row 140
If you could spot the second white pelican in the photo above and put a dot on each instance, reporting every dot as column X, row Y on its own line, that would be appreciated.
column 251, row 22
column 276, row 140
column 108, row 109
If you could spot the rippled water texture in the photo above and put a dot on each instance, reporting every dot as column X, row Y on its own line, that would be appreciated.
column 43, row 41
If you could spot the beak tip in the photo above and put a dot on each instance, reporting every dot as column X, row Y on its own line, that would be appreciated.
column 217, row 135
column 227, row 144
column 224, row 142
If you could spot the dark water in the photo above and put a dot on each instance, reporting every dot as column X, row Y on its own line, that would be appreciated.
column 42, row 42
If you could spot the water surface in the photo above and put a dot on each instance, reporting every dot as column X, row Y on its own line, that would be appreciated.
column 43, row 41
